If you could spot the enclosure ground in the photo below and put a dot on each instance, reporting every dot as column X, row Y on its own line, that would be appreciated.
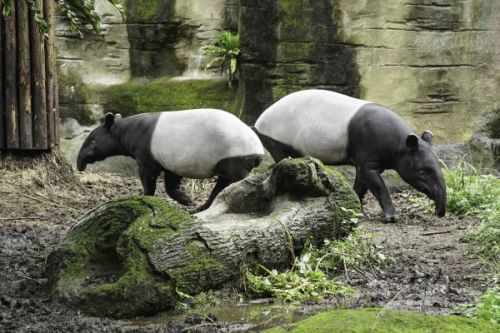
column 432, row 271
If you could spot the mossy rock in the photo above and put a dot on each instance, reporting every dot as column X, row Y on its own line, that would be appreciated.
column 102, row 265
column 166, row 95
column 386, row 321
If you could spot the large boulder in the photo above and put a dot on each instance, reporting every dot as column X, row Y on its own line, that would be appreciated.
column 129, row 256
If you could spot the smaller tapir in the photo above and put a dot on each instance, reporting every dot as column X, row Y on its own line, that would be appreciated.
column 338, row 129
column 198, row 143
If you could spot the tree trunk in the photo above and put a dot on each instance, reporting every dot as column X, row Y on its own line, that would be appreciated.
column 130, row 256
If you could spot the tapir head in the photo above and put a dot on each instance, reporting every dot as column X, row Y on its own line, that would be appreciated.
column 419, row 167
column 101, row 143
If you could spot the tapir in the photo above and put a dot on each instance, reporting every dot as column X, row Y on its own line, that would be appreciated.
column 199, row 143
column 338, row 129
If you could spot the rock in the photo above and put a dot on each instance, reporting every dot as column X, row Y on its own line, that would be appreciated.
column 129, row 256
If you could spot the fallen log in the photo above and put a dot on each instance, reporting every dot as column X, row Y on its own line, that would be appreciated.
column 129, row 256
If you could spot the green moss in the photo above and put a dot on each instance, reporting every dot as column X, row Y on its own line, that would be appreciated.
column 102, row 265
column 387, row 321
column 76, row 98
column 164, row 95
column 144, row 10
column 293, row 52
column 291, row 14
column 203, row 267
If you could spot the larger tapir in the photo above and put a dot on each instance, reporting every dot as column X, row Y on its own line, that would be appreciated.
column 339, row 129
column 197, row 143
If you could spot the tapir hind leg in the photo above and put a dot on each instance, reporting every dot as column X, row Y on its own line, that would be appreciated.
column 230, row 170
column 374, row 182
column 173, row 188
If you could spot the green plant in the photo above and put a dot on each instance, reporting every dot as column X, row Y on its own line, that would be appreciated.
column 225, row 52
column 199, row 301
column 357, row 252
column 76, row 11
column 470, row 192
column 473, row 193
column 486, row 306
column 310, row 275
column 303, row 281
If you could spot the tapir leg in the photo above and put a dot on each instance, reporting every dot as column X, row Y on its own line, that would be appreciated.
column 148, row 175
column 374, row 182
column 172, row 187
column 221, row 184
column 230, row 170
column 360, row 188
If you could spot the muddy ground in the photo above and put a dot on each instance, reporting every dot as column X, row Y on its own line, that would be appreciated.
column 432, row 272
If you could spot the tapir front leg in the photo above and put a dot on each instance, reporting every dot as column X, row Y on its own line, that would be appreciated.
column 374, row 182
column 360, row 188
column 148, row 175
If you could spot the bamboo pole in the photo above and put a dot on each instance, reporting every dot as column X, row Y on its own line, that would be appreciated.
column 38, row 84
column 50, row 65
column 2, row 100
column 11, row 105
column 25, row 114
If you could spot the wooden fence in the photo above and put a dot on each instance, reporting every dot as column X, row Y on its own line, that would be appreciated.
column 29, row 114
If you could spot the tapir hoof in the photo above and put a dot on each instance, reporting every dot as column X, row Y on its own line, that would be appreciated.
column 391, row 218
column 200, row 208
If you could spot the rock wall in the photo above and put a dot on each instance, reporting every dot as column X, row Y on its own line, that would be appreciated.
column 159, row 38
column 288, row 46
column 435, row 62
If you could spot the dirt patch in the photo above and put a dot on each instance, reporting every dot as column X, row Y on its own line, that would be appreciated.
column 432, row 271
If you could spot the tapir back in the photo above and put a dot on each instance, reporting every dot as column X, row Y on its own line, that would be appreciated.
column 314, row 122
column 190, row 143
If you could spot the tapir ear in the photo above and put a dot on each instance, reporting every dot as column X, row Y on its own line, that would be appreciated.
column 427, row 136
column 109, row 120
column 412, row 142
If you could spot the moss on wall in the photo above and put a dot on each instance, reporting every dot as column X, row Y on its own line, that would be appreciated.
column 384, row 320
column 163, row 95
column 148, row 10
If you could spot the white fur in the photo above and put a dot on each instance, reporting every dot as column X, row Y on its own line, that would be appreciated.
column 314, row 122
column 190, row 143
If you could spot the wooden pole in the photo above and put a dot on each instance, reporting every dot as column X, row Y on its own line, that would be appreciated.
column 50, row 65
column 25, row 115
column 38, row 84
column 11, row 106
column 2, row 99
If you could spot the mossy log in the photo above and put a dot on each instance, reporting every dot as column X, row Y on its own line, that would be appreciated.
column 129, row 256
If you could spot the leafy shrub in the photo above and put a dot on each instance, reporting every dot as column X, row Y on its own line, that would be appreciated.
column 486, row 307
column 309, row 277
column 356, row 252
column 225, row 52
column 303, row 281
column 472, row 193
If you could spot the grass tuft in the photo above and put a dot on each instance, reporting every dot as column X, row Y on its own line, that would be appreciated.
column 310, row 277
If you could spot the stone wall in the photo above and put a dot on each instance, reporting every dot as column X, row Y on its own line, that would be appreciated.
column 436, row 62
column 158, row 39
